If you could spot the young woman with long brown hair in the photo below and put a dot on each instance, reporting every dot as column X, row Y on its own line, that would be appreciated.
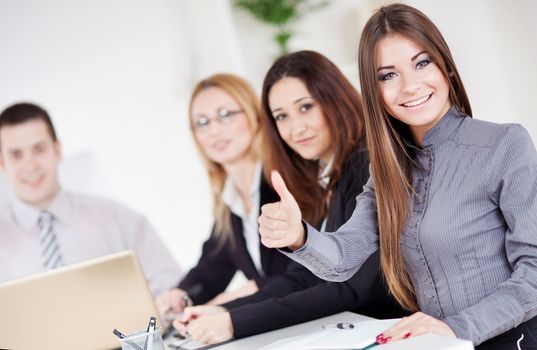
column 451, row 202
column 224, row 117
column 313, row 127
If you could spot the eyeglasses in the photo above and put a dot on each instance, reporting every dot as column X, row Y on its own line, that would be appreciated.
column 223, row 116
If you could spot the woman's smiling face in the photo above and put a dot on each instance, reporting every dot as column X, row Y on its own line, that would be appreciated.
column 412, row 87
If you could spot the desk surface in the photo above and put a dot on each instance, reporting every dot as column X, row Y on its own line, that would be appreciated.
column 426, row 342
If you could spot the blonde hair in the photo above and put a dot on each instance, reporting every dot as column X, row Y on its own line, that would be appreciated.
column 248, row 100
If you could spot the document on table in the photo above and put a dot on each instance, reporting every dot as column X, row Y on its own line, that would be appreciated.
column 361, row 336
column 188, row 344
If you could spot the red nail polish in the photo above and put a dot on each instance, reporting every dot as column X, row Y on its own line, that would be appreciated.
column 387, row 340
column 407, row 335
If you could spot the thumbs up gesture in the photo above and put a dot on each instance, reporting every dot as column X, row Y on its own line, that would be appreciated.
column 280, row 223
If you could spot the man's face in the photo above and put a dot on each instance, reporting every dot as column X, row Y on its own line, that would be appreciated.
column 30, row 158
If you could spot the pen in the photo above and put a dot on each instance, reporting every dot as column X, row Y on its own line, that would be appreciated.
column 340, row 325
column 151, row 326
column 169, row 315
column 122, row 336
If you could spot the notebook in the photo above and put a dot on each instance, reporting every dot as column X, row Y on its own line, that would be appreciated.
column 76, row 306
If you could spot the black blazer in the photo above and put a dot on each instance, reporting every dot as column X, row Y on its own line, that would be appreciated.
column 218, row 264
column 298, row 296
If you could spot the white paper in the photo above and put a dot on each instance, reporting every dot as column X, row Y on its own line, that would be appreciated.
column 188, row 344
column 362, row 335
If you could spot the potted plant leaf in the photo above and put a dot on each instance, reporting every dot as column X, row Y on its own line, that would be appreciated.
column 279, row 14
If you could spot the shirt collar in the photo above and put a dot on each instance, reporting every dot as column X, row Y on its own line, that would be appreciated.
column 324, row 175
column 444, row 129
column 27, row 216
column 60, row 207
column 232, row 198
column 441, row 132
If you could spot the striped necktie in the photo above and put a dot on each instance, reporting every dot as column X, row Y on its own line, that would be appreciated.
column 50, row 250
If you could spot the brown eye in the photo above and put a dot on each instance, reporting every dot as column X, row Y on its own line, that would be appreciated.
column 306, row 107
column 15, row 155
column 279, row 117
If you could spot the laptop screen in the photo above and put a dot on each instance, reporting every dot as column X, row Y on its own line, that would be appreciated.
column 76, row 306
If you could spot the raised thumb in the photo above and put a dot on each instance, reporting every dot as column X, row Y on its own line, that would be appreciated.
column 280, row 187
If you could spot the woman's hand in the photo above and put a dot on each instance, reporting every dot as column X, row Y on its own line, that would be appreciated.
column 170, row 301
column 206, row 324
column 193, row 312
column 245, row 290
column 280, row 223
column 414, row 325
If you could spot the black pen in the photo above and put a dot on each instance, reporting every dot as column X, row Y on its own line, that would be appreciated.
column 122, row 336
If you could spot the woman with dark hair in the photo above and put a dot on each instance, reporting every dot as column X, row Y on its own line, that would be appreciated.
column 313, row 132
column 451, row 203
column 296, row 146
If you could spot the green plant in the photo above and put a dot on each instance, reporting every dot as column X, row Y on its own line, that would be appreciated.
column 280, row 14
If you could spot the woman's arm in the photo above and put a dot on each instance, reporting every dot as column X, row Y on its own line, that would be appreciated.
column 327, row 298
column 296, row 278
column 331, row 256
column 514, row 187
column 213, row 272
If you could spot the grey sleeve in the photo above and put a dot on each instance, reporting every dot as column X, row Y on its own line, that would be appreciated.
column 336, row 256
column 514, row 187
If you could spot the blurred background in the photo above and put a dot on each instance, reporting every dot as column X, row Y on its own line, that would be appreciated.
column 116, row 76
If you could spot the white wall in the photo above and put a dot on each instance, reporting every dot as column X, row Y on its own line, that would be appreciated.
column 493, row 43
column 116, row 76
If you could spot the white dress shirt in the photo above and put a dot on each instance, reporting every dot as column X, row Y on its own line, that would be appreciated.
column 232, row 198
column 324, row 180
column 86, row 227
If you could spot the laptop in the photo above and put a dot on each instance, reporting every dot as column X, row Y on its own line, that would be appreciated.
column 76, row 306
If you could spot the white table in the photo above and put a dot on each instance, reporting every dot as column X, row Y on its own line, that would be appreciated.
column 426, row 342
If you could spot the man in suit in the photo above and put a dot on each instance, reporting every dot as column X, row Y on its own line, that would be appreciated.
column 45, row 227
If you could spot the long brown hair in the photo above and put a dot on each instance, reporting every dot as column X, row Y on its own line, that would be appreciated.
column 391, row 161
column 248, row 100
column 342, row 108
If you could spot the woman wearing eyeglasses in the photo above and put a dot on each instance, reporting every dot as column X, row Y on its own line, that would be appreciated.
column 224, row 117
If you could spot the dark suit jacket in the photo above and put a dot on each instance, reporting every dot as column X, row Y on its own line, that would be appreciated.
column 298, row 296
column 218, row 263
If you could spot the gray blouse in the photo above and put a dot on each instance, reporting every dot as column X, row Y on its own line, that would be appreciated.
column 470, row 242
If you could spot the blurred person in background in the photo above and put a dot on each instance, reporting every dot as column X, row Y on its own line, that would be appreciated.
column 45, row 226
column 224, row 117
